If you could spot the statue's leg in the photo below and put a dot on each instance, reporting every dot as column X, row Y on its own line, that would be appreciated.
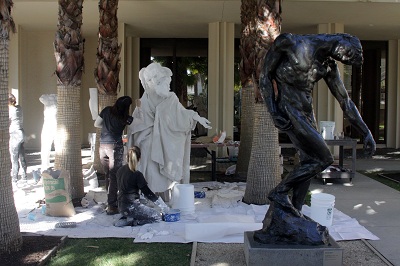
column 314, row 158
column 46, row 141
column 299, row 194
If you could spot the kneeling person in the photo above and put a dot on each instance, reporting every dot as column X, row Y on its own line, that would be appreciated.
column 130, row 183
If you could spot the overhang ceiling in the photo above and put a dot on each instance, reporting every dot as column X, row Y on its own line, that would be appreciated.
column 366, row 19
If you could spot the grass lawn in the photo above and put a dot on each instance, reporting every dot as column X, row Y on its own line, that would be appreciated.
column 375, row 175
column 120, row 251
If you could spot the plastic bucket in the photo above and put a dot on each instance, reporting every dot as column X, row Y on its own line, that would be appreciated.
column 327, row 129
column 322, row 205
column 183, row 198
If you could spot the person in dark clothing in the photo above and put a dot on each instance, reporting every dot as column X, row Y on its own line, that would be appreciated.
column 131, row 183
column 17, row 139
column 112, row 121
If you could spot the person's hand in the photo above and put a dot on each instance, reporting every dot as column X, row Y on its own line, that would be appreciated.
column 203, row 121
column 369, row 145
column 281, row 123
column 138, row 103
column 161, row 204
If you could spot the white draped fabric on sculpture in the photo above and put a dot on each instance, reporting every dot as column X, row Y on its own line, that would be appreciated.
column 163, row 131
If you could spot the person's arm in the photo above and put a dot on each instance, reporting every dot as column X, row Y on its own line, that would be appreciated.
column 350, row 111
column 157, row 200
column 148, row 193
column 268, row 86
column 98, row 122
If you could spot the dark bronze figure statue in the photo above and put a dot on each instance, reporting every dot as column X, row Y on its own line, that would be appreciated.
column 292, row 67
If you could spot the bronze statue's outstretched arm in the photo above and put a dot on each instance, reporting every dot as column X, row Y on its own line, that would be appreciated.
column 350, row 111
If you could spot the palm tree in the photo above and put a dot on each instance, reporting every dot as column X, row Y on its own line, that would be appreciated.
column 106, row 73
column 264, row 168
column 68, row 50
column 10, row 236
column 246, row 70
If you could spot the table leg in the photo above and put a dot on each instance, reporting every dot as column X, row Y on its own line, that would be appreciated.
column 213, row 165
column 341, row 156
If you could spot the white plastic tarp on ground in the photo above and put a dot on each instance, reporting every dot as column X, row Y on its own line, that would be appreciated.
column 209, row 223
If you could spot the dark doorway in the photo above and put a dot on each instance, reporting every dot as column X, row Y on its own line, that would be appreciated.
column 369, row 90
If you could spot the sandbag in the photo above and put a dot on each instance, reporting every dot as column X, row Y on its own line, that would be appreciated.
column 57, row 191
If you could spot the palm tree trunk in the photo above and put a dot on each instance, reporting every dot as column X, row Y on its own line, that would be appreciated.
column 68, row 145
column 68, row 50
column 10, row 236
column 264, row 166
column 246, row 130
column 246, row 69
column 108, row 66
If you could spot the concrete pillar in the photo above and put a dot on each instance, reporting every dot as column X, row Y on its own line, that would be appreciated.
column 132, row 67
column 327, row 106
column 14, row 65
column 221, row 77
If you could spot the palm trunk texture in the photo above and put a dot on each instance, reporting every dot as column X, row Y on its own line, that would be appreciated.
column 68, row 145
column 264, row 166
column 10, row 236
column 106, row 73
column 246, row 70
column 69, row 47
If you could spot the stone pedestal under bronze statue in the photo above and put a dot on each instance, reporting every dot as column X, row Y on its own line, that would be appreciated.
column 290, row 239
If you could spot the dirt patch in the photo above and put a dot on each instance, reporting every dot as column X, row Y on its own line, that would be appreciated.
column 34, row 249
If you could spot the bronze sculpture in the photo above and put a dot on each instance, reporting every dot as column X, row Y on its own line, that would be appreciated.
column 292, row 67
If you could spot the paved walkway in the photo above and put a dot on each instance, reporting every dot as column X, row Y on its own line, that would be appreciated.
column 374, row 205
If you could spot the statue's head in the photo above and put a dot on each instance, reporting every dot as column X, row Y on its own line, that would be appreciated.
column 156, row 77
column 348, row 50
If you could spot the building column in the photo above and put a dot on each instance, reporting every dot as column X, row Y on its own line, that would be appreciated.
column 132, row 67
column 14, row 65
column 328, row 109
column 221, row 77
column 393, row 96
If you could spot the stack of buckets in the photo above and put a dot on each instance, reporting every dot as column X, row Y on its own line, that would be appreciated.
column 322, row 205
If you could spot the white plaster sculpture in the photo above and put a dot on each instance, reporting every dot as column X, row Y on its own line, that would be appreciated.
column 93, row 103
column 49, row 127
column 162, row 129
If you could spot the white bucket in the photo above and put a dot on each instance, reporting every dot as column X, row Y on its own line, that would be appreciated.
column 183, row 198
column 327, row 129
column 322, row 208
